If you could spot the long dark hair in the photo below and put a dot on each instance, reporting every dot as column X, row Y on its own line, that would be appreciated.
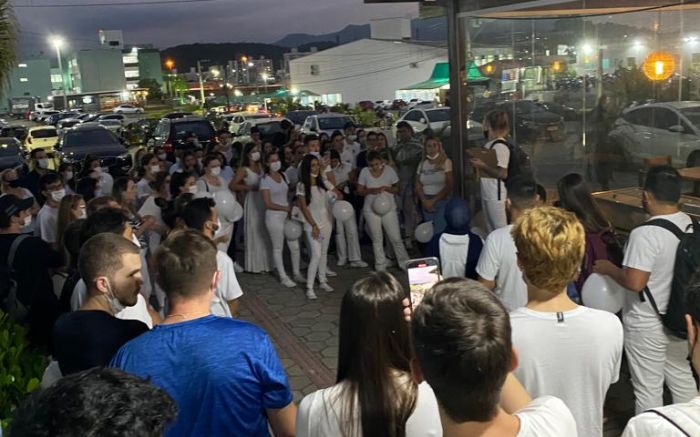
column 575, row 195
column 245, row 159
column 374, row 345
column 305, row 176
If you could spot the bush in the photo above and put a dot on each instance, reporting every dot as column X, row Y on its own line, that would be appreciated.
column 21, row 368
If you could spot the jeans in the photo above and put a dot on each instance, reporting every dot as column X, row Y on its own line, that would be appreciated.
column 437, row 216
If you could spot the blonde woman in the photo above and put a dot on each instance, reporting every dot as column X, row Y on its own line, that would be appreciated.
column 434, row 182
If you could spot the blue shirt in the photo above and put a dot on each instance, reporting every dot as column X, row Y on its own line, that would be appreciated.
column 222, row 373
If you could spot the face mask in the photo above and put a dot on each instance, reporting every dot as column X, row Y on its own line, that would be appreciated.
column 58, row 194
column 155, row 168
column 316, row 154
column 27, row 221
column 432, row 157
column 68, row 175
column 82, row 214
column 162, row 156
column 97, row 170
column 215, row 171
column 114, row 303
column 255, row 156
column 352, row 137
column 314, row 175
column 276, row 166
column 43, row 163
column 192, row 189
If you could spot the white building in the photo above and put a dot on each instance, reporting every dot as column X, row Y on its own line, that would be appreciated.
column 368, row 69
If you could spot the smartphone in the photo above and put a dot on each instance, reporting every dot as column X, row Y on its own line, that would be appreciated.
column 423, row 273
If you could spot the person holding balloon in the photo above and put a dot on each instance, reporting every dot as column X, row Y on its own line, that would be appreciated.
column 211, row 184
column 313, row 203
column 434, row 182
column 274, row 189
column 378, row 183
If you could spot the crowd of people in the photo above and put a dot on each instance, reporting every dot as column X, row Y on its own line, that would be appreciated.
column 130, row 283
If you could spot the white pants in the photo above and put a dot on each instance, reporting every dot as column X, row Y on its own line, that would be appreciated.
column 347, row 240
column 274, row 221
column 389, row 222
column 494, row 213
column 656, row 357
column 319, row 253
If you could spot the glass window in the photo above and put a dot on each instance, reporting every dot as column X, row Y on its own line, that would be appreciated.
column 44, row 133
column 203, row 130
column 89, row 137
column 333, row 123
column 9, row 147
column 438, row 115
column 665, row 118
column 413, row 116
column 641, row 116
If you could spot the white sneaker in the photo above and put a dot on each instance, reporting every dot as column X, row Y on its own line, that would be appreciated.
column 288, row 283
column 342, row 262
column 237, row 268
column 299, row 278
column 311, row 295
column 358, row 264
column 330, row 273
column 325, row 287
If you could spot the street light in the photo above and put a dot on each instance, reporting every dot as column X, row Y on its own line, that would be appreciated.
column 57, row 42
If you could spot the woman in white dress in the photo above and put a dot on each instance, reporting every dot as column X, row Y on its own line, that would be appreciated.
column 375, row 395
column 247, row 181
column 275, row 193
column 313, row 203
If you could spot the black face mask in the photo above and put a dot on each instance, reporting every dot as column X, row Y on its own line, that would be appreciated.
column 486, row 134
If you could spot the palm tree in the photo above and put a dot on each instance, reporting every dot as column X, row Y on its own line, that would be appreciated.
column 8, row 40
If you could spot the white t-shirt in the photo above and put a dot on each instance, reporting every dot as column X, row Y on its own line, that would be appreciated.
column 489, row 186
column 48, row 223
column 386, row 179
column 342, row 175
column 320, row 414
column 227, row 288
column 687, row 416
column 143, row 189
column 546, row 416
column 149, row 207
column 137, row 312
column 433, row 179
column 574, row 355
column 278, row 190
column 204, row 187
column 498, row 262
column 292, row 174
column 454, row 250
column 349, row 154
column 651, row 249
column 318, row 204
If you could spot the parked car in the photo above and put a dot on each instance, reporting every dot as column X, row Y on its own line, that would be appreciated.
column 119, row 117
column 326, row 123
column 268, row 127
column 114, row 126
column 657, row 129
column 529, row 120
column 55, row 118
column 568, row 113
column 14, row 130
column 88, row 117
column 11, row 155
column 435, row 119
column 44, row 137
column 127, row 109
column 171, row 134
column 241, row 117
column 94, row 140
column 298, row 117
column 179, row 114
column 40, row 111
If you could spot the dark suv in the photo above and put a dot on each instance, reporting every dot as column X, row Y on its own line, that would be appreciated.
column 170, row 134
column 96, row 141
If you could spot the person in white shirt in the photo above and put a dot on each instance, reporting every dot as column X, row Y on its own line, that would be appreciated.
column 151, row 167
column 351, row 143
column 498, row 264
column 677, row 420
column 655, row 356
column 374, row 396
column 52, row 190
column 275, row 193
column 434, row 183
column 201, row 214
column 346, row 151
column 374, row 181
column 493, row 189
column 566, row 350
column 462, row 341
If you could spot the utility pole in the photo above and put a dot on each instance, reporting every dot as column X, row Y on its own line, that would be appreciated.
column 201, row 82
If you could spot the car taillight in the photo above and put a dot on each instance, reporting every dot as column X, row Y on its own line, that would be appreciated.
column 168, row 146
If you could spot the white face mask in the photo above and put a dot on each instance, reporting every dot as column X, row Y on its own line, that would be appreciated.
column 115, row 305
column 155, row 169
column 192, row 189
column 82, row 214
column 215, row 171
column 58, row 194
column 27, row 221
column 316, row 154
column 352, row 137
column 43, row 163
column 276, row 166
column 255, row 156
column 433, row 157
column 69, row 175
column 314, row 175
column 162, row 156
column 97, row 170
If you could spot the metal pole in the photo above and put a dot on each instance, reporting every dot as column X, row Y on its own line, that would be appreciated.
column 458, row 112
column 63, row 83
column 201, row 83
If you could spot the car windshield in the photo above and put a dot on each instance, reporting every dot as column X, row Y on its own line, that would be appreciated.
column 333, row 123
column 110, row 123
column 203, row 130
column 44, row 133
column 91, row 137
column 8, row 147
column 692, row 114
column 525, row 107
column 269, row 129
column 438, row 115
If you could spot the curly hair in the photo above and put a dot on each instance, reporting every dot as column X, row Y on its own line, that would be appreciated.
column 550, row 243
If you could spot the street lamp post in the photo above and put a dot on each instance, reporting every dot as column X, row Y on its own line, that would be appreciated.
column 57, row 42
column 170, row 64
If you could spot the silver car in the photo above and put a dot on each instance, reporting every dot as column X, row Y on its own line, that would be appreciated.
column 115, row 126
column 660, row 129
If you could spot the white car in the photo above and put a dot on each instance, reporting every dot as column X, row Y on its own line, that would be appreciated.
column 127, row 109
column 325, row 123
column 659, row 129
column 268, row 127
column 438, row 121
column 238, row 118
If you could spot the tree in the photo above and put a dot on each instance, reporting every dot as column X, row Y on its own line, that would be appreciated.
column 8, row 40
column 155, row 92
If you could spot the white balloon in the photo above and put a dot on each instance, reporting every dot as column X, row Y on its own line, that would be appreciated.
column 292, row 230
column 603, row 293
column 424, row 232
column 227, row 206
column 343, row 210
column 382, row 204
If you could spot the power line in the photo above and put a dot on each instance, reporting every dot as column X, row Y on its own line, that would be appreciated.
column 118, row 3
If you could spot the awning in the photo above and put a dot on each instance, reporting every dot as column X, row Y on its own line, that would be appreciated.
column 441, row 77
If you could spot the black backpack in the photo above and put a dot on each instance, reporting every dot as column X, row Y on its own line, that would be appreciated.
column 9, row 299
column 518, row 162
column 686, row 264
